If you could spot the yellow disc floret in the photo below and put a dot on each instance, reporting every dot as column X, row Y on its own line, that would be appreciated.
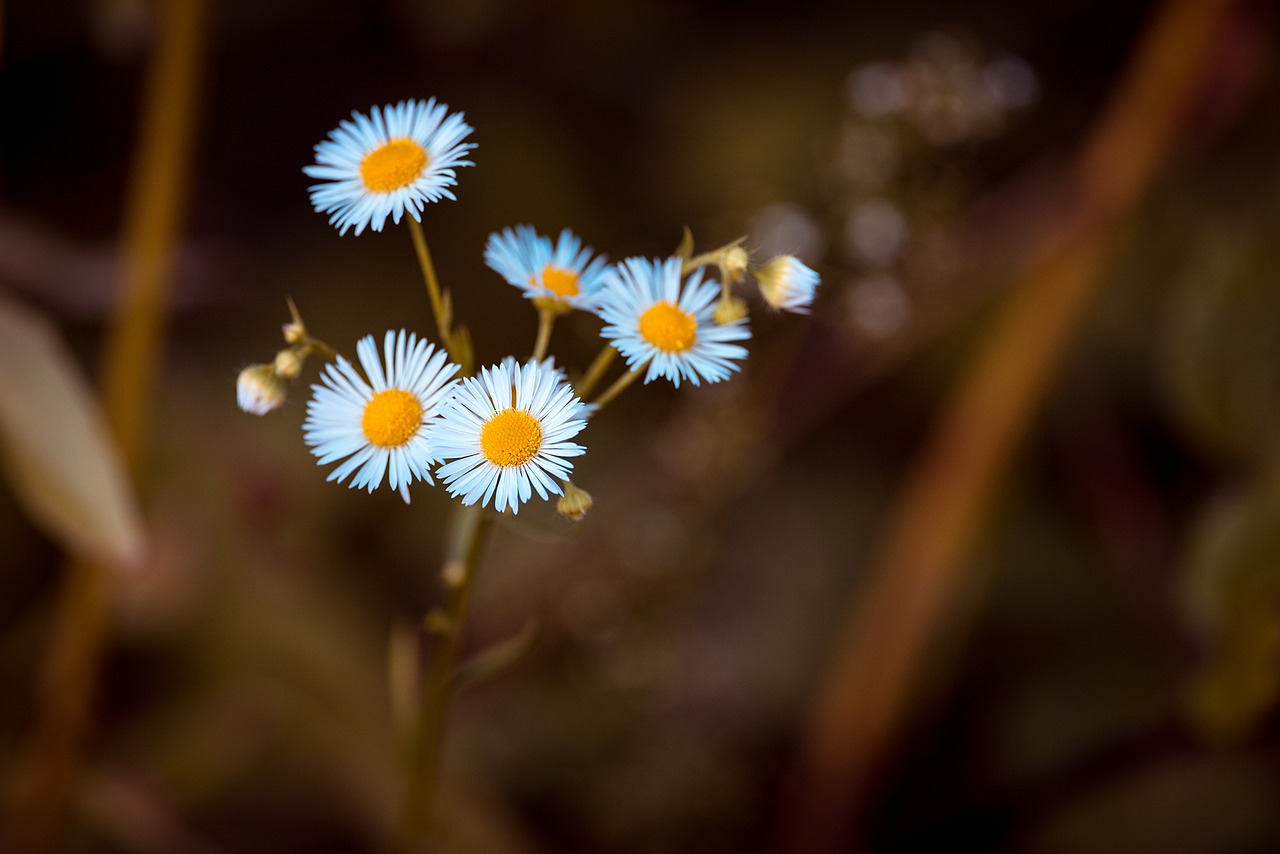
column 391, row 418
column 511, row 438
column 395, row 164
column 561, row 282
column 668, row 328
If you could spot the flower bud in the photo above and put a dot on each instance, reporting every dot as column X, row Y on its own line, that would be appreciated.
column 787, row 284
column 574, row 504
column 259, row 389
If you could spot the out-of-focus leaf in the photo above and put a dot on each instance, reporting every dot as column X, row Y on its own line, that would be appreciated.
column 497, row 658
column 1224, row 339
column 60, row 458
column 1231, row 593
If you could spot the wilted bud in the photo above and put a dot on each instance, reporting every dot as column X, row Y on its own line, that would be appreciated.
column 786, row 283
column 574, row 504
column 729, row 309
column 294, row 331
column 733, row 264
column 288, row 363
column 259, row 389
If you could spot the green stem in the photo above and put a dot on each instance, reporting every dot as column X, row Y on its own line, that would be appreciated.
column 619, row 385
column 546, row 320
column 443, row 321
column 425, row 747
column 594, row 373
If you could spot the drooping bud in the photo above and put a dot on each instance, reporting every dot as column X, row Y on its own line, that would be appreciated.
column 729, row 309
column 259, row 389
column 288, row 364
column 787, row 284
column 574, row 504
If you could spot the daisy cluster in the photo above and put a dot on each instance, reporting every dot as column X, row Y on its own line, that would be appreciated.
column 406, row 413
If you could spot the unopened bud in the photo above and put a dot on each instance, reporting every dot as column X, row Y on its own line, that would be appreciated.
column 733, row 264
column 728, row 310
column 288, row 363
column 574, row 504
column 786, row 283
column 259, row 389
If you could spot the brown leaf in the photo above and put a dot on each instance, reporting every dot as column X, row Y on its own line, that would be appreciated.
column 63, row 465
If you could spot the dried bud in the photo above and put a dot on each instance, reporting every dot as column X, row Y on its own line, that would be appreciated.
column 728, row 310
column 574, row 504
column 288, row 363
column 733, row 263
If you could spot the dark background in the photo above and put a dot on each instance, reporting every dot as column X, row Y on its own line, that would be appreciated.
column 1107, row 683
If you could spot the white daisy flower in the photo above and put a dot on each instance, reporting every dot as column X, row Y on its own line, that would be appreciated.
column 565, row 274
column 584, row 410
column 381, row 426
column 786, row 283
column 651, row 318
column 396, row 159
column 506, row 432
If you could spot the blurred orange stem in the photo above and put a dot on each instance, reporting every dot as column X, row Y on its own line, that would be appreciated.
column 47, row 769
column 919, row 567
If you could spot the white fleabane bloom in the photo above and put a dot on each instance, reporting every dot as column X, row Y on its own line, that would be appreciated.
column 396, row 159
column 564, row 273
column 380, row 426
column 652, row 317
column 506, row 435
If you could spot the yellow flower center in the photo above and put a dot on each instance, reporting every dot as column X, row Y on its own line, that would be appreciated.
column 396, row 163
column 391, row 418
column 668, row 328
column 563, row 283
column 511, row 438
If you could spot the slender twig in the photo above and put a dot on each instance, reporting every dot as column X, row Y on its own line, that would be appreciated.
column 918, row 572
column 425, row 747
column 546, row 320
column 619, row 386
column 443, row 321
column 596, row 371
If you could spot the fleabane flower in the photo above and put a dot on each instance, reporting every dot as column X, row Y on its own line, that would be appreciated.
column 584, row 410
column 652, row 317
column 396, row 159
column 562, row 276
column 506, row 433
column 380, row 425
column 787, row 284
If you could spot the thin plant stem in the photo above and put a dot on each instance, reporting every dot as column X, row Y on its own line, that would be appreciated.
column 438, row 309
column 919, row 571
column 46, row 769
column 596, row 371
column 546, row 320
column 425, row 747
column 619, row 386
column 700, row 261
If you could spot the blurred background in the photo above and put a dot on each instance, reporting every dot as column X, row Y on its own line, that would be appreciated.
column 1103, row 673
